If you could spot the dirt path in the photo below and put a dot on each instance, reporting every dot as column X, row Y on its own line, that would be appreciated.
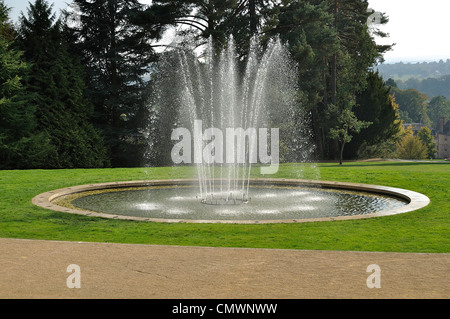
column 38, row 269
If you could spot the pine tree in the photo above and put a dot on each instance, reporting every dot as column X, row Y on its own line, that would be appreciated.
column 376, row 105
column 334, row 48
column 55, row 82
column 20, row 145
column 355, row 54
column 305, row 26
column 117, row 56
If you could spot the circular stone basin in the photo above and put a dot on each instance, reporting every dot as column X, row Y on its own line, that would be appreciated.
column 270, row 201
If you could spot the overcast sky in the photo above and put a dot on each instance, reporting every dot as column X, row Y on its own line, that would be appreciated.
column 419, row 28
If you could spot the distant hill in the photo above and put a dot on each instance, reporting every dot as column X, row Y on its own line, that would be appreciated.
column 420, row 70
column 431, row 78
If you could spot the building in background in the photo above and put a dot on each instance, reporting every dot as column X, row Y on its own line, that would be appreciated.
column 442, row 139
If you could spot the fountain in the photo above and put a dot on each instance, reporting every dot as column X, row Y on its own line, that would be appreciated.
column 218, row 113
column 227, row 110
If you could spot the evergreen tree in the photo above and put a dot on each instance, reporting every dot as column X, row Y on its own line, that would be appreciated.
column 57, row 88
column 427, row 139
column 304, row 26
column 374, row 104
column 20, row 145
column 334, row 48
column 355, row 54
column 117, row 56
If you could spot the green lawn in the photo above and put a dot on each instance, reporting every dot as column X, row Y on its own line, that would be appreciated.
column 425, row 230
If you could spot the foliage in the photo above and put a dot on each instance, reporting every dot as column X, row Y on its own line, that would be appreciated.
column 331, row 42
column 438, row 107
column 428, row 141
column 198, row 21
column 164, row 115
column 429, row 86
column 55, row 83
column 347, row 123
column 108, row 52
column 413, row 105
column 21, row 145
column 117, row 56
column 411, row 147
column 419, row 71
column 376, row 105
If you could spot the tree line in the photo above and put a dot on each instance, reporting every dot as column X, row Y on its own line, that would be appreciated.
column 417, row 107
column 75, row 88
column 419, row 71
column 432, row 86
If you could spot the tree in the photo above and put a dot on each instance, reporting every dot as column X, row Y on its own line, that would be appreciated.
column 347, row 123
column 56, row 85
column 413, row 105
column 118, row 57
column 356, row 53
column 427, row 139
column 390, row 82
column 438, row 107
column 304, row 27
column 21, row 146
column 198, row 21
column 411, row 147
column 334, row 48
column 376, row 105
column 330, row 41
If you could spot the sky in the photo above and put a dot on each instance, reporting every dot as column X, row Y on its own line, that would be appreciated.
column 420, row 29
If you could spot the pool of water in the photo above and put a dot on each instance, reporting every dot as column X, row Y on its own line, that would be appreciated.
column 268, row 202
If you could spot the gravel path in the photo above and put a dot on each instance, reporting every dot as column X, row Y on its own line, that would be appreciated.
column 38, row 269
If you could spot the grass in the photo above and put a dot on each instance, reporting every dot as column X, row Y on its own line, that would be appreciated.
column 425, row 230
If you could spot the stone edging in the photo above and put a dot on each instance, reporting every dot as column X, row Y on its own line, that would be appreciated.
column 415, row 200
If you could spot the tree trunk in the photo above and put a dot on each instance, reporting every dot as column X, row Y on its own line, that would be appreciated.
column 341, row 153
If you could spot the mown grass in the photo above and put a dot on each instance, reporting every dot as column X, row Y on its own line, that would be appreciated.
column 425, row 230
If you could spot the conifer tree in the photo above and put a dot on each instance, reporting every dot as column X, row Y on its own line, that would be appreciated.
column 331, row 42
column 117, row 56
column 21, row 146
column 376, row 105
column 57, row 88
